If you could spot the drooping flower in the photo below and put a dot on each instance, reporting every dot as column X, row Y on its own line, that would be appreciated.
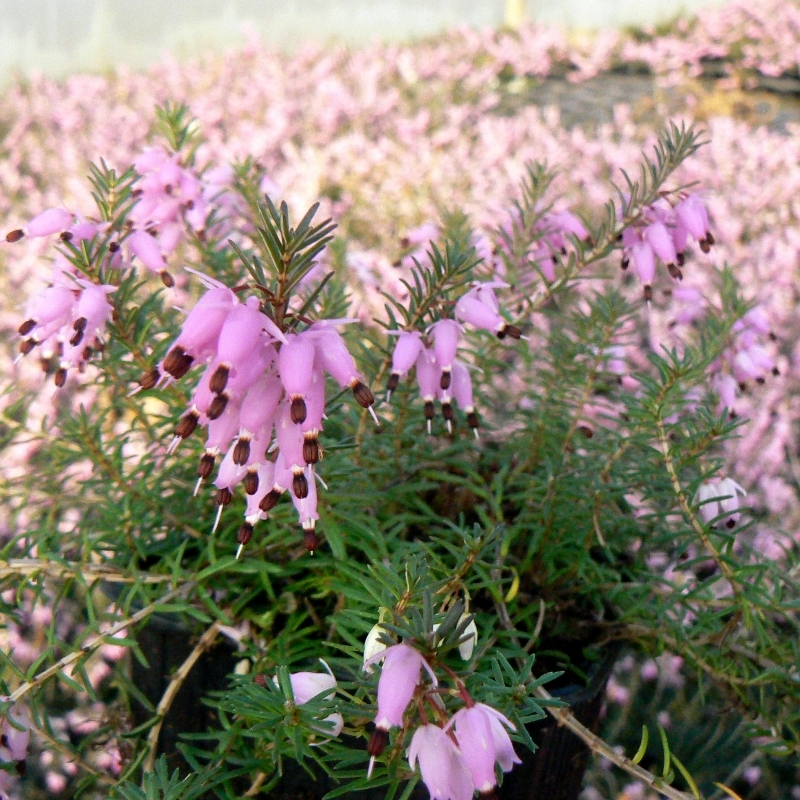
column 720, row 497
column 441, row 764
column 308, row 685
column 484, row 741
column 402, row 665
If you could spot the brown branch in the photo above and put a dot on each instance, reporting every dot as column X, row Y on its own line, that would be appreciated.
column 563, row 717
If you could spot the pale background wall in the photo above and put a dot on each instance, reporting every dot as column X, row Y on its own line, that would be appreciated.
column 61, row 36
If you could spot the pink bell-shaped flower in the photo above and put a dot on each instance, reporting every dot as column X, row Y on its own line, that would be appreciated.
column 147, row 249
column 445, row 334
column 484, row 741
column 409, row 344
column 402, row 665
column 295, row 364
column 428, row 378
column 440, row 762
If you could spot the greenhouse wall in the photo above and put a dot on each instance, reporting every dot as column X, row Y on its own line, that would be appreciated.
column 58, row 37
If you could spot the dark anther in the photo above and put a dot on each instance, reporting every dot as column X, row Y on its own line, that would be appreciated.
column 298, row 410
column 245, row 533
column 730, row 524
column 219, row 380
column 430, row 412
column 377, row 742
column 224, row 497
column 175, row 362
column 26, row 345
column 113, row 247
column 217, row 406
column 60, row 378
column 269, row 500
column 87, row 353
column 300, row 486
column 250, row 482
column 66, row 236
column 648, row 293
column 27, row 327
column 311, row 540
column 447, row 410
column 391, row 385
column 241, row 452
column 80, row 324
column 472, row 419
column 674, row 272
column 776, row 371
column 625, row 263
column 167, row 279
column 363, row 395
column 509, row 330
column 312, row 452
column 444, row 381
column 586, row 431
column 76, row 339
column 15, row 236
column 206, row 466
column 22, row 768
column 681, row 259
column 186, row 424
column 149, row 379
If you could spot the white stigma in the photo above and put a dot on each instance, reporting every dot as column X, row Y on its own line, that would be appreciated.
column 216, row 521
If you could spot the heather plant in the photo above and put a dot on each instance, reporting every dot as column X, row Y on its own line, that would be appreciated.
column 409, row 583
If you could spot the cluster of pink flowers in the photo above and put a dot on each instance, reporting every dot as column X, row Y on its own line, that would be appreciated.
column 173, row 200
column 663, row 232
column 261, row 398
column 440, row 375
column 459, row 756
column 747, row 359
column 67, row 319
